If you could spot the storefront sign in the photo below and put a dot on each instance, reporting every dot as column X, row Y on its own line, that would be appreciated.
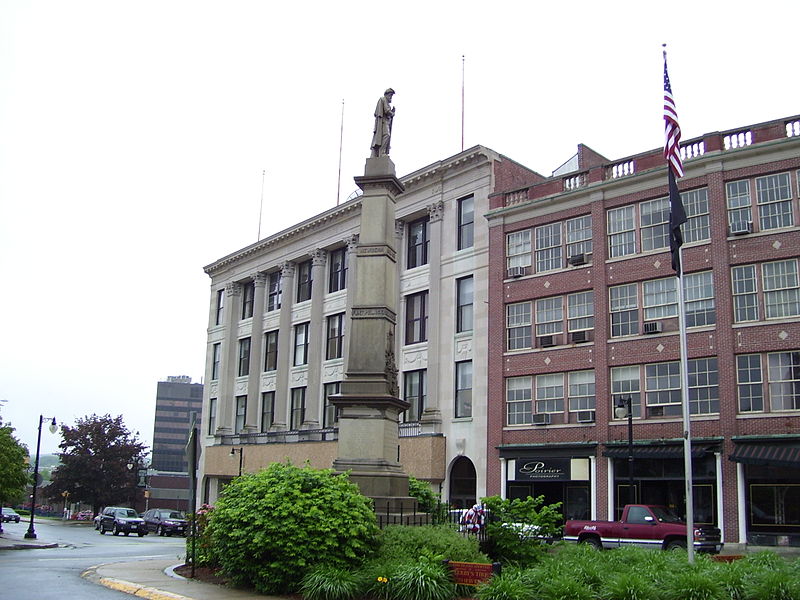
column 544, row 469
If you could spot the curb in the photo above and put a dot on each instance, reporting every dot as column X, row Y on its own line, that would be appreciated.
column 127, row 587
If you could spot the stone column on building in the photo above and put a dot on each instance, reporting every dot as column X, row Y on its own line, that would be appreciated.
column 252, row 416
column 316, row 340
column 351, row 282
column 225, row 402
column 431, row 417
column 285, row 348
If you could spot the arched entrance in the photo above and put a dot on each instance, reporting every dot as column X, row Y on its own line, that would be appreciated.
column 463, row 483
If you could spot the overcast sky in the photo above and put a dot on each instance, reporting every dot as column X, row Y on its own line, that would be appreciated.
column 133, row 136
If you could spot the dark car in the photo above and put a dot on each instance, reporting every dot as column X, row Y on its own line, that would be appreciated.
column 122, row 520
column 165, row 521
column 9, row 514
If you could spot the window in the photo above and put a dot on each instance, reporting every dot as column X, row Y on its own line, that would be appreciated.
column 271, row 350
column 784, row 380
column 335, row 337
column 774, row 198
column 654, row 224
column 267, row 410
column 418, row 243
column 518, row 326
column 580, row 311
column 549, row 316
column 330, row 415
column 464, row 302
column 274, row 294
column 241, row 414
column 220, row 307
column 301, row 344
column 579, row 236
column 216, row 352
column 248, row 293
column 750, row 383
column 550, row 393
column 337, row 279
column 304, row 281
column 738, row 197
column 416, row 317
column 548, row 247
column 244, row 357
column 581, row 390
column 298, row 408
column 621, row 232
column 663, row 388
column 466, row 222
column 518, row 249
column 212, row 415
column 519, row 400
column 463, row 394
column 625, row 383
column 745, row 293
column 697, row 227
column 781, row 289
column 415, row 391
column 660, row 298
column 698, row 290
column 703, row 386
column 624, row 310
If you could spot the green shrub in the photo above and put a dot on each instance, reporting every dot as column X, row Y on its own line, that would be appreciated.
column 405, row 542
column 628, row 586
column 428, row 501
column 564, row 587
column 325, row 582
column 423, row 579
column 766, row 584
column 516, row 528
column 269, row 528
column 692, row 584
column 200, row 541
column 510, row 585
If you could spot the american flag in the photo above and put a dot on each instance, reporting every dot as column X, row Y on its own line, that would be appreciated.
column 672, row 152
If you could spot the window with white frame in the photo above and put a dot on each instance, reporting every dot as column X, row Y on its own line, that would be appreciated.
column 745, row 293
column 624, row 306
column 518, row 249
column 621, row 231
column 298, row 412
column 549, row 316
column 244, row 357
column 626, row 383
column 466, row 222
column 519, row 394
column 301, row 344
column 274, row 291
column 417, row 243
column 518, row 326
column 663, row 389
column 415, row 390
column 703, row 386
column 248, row 294
column 241, row 414
column 212, row 415
column 579, row 236
column 330, row 414
column 271, row 350
column 337, row 276
column 216, row 355
column 550, row 393
column 548, row 247
column 739, row 203
column 750, row 383
column 580, row 311
column 654, row 224
column 220, row 307
column 463, row 391
column 698, row 289
column 304, row 281
column 334, row 346
column 774, row 199
column 417, row 317
column 267, row 410
column 784, row 380
column 660, row 298
column 697, row 227
column 581, row 390
column 781, row 289
column 465, row 296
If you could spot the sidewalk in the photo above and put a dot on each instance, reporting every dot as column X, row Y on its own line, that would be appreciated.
column 17, row 541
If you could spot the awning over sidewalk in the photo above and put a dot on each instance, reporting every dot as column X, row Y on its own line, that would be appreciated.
column 656, row 451
column 771, row 455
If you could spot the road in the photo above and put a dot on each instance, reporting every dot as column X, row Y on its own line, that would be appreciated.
column 55, row 573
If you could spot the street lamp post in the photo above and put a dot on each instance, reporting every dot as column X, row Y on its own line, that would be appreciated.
column 31, row 533
column 241, row 457
column 622, row 410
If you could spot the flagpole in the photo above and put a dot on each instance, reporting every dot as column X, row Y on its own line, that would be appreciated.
column 462, row 102
column 341, row 139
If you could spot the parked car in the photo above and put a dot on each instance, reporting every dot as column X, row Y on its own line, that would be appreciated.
column 96, row 520
column 165, row 521
column 9, row 514
column 118, row 520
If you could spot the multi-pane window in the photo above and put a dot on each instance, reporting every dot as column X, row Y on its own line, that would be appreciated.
column 697, row 227
column 416, row 317
column 248, row 294
column 518, row 249
column 418, row 243
column 581, row 390
column 334, row 342
column 660, row 298
column 750, row 383
column 337, row 279
column 550, row 393
column 464, row 303
column 698, row 289
column 220, row 306
column 654, row 224
column 780, row 282
column 784, row 380
column 330, row 414
column 298, row 412
column 745, row 293
column 212, row 415
column 621, row 231
column 271, row 350
column 241, row 414
column 304, row 281
column 463, row 407
column 624, row 307
column 548, row 247
column 244, row 357
column 703, row 386
column 519, row 395
column 466, row 222
column 267, row 410
column 663, row 388
column 579, row 236
column 216, row 355
column 518, row 326
column 274, row 291
column 774, row 198
column 625, row 383
column 415, row 390
column 580, row 311
column 739, row 203
column 549, row 316
column 301, row 344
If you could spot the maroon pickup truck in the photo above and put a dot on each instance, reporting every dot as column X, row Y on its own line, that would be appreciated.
column 644, row 526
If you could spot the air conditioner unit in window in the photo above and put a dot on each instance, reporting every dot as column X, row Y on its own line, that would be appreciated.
column 546, row 341
column 741, row 227
column 516, row 271
column 577, row 259
column 579, row 337
column 541, row 419
column 652, row 327
column 585, row 416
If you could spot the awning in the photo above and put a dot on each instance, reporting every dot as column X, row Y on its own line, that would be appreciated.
column 771, row 455
column 656, row 451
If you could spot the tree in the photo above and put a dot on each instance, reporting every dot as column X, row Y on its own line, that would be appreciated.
column 95, row 455
column 13, row 468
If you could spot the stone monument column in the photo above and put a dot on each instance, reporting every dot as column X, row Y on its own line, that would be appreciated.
column 352, row 283
column 316, row 339
column 285, row 348
column 431, row 417
column 229, row 359
column 256, row 359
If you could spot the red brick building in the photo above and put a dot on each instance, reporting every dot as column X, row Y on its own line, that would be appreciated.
column 583, row 324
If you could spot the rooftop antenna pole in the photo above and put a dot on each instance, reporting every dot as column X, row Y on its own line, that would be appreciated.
column 261, row 204
column 341, row 137
column 462, row 102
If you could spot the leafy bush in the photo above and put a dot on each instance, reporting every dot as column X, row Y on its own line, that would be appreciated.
column 423, row 579
column 203, row 549
column 517, row 528
column 402, row 542
column 628, row 586
column 692, row 584
column 779, row 584
column 269, row 528
column 325, row 582
column 510, row 585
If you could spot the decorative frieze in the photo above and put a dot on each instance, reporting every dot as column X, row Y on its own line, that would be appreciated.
column 374, row 312
column 435, row 211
